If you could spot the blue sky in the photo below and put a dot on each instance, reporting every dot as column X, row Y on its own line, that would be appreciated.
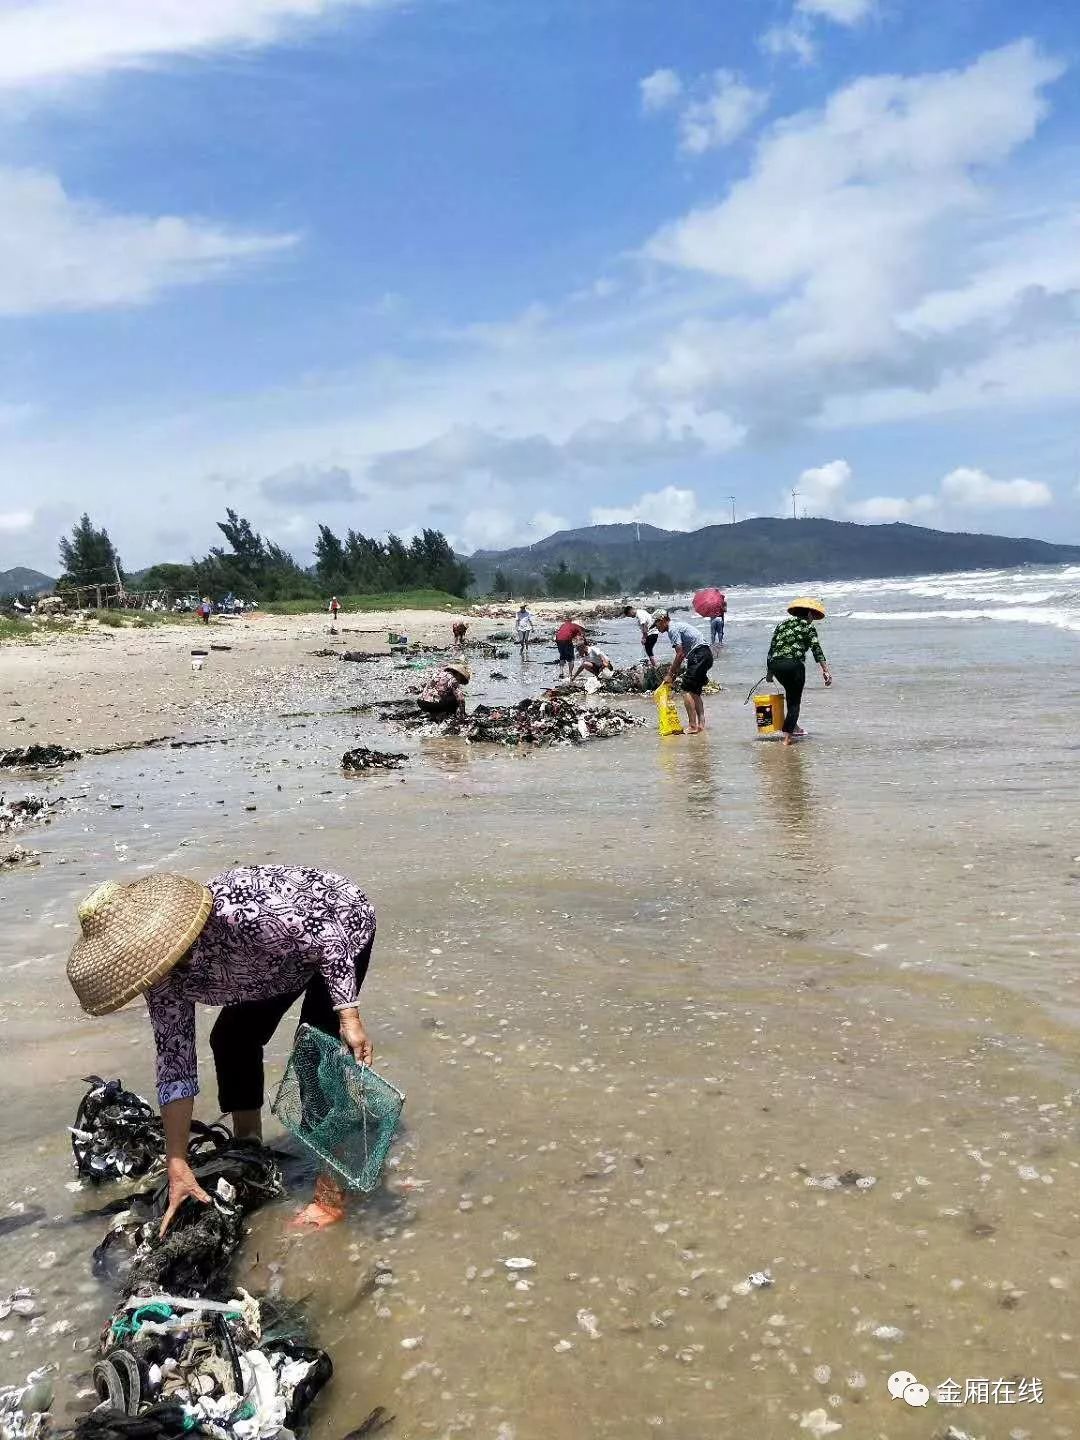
column 502, row 267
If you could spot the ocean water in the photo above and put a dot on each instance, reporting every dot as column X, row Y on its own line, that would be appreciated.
column 638, row 995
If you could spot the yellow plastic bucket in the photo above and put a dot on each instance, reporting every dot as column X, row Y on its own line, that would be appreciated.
column 769, row 714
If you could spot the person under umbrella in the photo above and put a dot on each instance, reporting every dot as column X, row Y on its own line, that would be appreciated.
column 253, row 940
column 787, row 658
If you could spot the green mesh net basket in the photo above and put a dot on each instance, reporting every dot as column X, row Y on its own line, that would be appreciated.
column 341, row 1110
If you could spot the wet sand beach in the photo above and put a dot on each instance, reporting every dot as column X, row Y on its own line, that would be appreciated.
column 656, row 1006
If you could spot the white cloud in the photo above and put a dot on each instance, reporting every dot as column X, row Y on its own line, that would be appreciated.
column 712, row 111
column 466, row 450
column 841, row 12
column 659, row 90
column 641, row 437
column 638, row 438
column 721, row 116
column 845, row 216
column 490, row 528
column 793, row 39
column 309, row 485
column 56, row 39
column 14, row 522
column 669, row 509
column 884, row 509
column 59, row 253
column 862, row 180
column 821, row 487
column 973, row 489
column 823, row 490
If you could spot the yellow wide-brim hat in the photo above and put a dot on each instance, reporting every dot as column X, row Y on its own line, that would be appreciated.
column 807, row 602
column 132, row 936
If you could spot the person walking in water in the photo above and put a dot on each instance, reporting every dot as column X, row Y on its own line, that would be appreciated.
column 253, row 940
column 787, row 658
column 523, row 629
column 565, row 636
column 334, row 608
column 692, row 652
column 716, row 624
column 649, row 633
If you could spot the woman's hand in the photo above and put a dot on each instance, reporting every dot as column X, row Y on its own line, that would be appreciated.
column 827, row 675
column 182, row 1183
column 355, row 1036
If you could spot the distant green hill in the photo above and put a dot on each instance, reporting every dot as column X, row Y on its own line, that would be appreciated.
column 20, row 581
column 756, row 552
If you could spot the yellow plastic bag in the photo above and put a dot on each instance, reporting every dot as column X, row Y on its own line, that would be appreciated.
column 667, row 712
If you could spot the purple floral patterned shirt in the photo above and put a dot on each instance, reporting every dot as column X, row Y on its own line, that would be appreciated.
column 271, row 929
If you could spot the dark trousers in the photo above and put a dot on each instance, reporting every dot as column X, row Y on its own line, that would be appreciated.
column 650, row 643
column 242, row 1032
column 792, row 676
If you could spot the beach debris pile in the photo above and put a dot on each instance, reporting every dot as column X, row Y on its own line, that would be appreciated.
column 361, row 760
column 546, row 720
column 358, row 657
column 181, row 1353
column 14, row 814
column 37, row 757
column 19, row 855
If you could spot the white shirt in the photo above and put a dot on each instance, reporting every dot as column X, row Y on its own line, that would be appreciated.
column 644, row 619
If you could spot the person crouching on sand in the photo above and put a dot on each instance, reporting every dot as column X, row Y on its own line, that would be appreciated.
column 253, row 940
column 787, row 658
column 444, row 693
column 591, row 661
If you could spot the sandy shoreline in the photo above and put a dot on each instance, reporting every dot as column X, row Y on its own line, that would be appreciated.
column 645, row 998
column 105, row 687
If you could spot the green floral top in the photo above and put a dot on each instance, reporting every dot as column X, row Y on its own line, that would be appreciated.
column 792, row 638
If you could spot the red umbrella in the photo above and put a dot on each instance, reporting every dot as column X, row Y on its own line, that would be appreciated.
column 710, row 603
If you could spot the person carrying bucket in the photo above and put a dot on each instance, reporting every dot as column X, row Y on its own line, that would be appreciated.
column 787, row 658
column 692, row 651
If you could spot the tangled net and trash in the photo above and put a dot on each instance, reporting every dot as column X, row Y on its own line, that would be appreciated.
column 37, row 757
column 181, row 1352
column 361, row 760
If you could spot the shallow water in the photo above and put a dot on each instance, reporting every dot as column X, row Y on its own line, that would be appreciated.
column 637, row 993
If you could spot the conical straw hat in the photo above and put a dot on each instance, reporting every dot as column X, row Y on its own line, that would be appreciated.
column 461, row 669
column 132, row 936
column 807, row 602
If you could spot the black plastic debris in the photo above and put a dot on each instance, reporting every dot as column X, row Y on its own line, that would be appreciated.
column 38, row 757
column 359, row 657
column 362, row 759
column 117, row 1134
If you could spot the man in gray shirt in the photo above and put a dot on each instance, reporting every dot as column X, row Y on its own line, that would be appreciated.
column 692, row 651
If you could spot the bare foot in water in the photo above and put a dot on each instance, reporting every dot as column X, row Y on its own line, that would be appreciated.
column 693, row 729
column 327, row 1207
column 316, row 1217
